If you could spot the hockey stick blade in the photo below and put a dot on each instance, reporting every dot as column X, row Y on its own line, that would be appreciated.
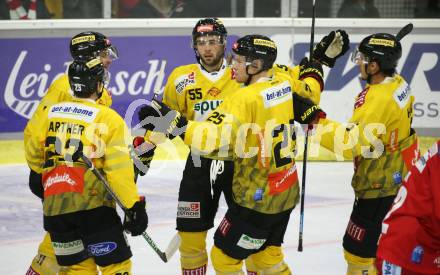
column 169, row 251
column 172, row 246
column 404, row 31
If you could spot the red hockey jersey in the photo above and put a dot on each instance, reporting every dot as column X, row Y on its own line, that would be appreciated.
column 411, row 229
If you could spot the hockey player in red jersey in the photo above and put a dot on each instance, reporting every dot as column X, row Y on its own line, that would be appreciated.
column 410, row 240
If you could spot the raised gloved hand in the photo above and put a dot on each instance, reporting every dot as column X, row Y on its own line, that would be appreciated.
column 331, row 47
column 136, row 218
column 311, row 69
column 143, row 155
column 158, row 117
column 305, row 111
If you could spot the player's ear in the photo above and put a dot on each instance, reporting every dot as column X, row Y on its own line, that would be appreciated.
column 374, row 67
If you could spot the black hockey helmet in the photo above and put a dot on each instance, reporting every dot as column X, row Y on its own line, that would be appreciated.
column 384, row 48
column 85, row 76
column 256, row 47
column 209, row 26
column 90, row 44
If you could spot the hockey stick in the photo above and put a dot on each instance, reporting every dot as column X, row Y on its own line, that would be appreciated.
column 172, row 246
column 306, row 142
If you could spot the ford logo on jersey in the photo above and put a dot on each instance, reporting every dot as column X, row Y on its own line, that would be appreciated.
column 100, row 249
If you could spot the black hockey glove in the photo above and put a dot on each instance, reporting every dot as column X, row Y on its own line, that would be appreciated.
column 331, row 47
column 136, row 218
column 158, row 117
column 311, row 69
column 143, row 152
column 305, row 111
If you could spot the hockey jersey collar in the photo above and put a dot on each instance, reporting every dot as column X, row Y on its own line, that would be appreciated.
column 216, row 75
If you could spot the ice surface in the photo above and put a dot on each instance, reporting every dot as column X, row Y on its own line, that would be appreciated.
column 328, row 204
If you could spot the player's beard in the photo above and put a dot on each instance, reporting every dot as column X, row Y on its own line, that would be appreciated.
column 215, row 62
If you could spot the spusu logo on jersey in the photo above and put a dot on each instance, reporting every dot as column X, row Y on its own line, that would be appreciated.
column 203, row 108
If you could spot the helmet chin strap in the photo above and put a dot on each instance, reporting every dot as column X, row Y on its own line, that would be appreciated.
column 251, row 75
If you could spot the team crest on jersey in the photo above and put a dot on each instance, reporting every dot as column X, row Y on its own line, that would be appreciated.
column 402, row 94
column 277, row 94
column 360, row 100
column 214, row 91
column 185, row 80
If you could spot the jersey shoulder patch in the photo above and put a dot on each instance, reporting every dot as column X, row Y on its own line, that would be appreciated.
column 360, row 99
column 276, row 94
column 402, row 94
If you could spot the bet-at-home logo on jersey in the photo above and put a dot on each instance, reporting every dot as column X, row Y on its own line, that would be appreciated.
column 182, row 81
column 203, row 108
column 402, row 94
column 276, row 94
column 73, row 111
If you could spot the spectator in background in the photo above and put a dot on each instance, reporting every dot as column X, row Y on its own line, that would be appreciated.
column 27, row 9
column 358, row 9
column 82, row 8
column 172, row 8
column 150, row 8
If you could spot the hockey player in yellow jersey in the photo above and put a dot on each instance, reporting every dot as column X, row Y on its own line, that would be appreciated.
column 83, row 46
column 381, row 142
column 195, row 90
column 254, row 129
column 79, row 214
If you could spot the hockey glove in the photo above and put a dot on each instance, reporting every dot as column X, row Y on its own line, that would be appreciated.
column 136, row 218
column 143, row 152
column 331, row 47
column 158, row 117
column 305, row 111
column 311, row 69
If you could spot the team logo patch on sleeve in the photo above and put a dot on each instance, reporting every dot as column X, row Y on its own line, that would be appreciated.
column 188, row 209
column 184, row 80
